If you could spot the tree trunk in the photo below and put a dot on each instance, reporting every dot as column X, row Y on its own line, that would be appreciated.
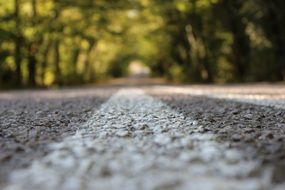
column 276, row 35
column 57, row 62
column 32, row 65
column 241, row 43
column 89, row 70
column 18, row 43
column 32, row 49
column 74, row 59
column 44, row 62
column 208, row 78
column 195, row 54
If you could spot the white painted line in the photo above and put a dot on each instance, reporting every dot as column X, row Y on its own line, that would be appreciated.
column 137, row 142
column 265, row 99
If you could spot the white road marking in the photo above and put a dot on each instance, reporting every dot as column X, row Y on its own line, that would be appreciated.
column 268, row 97
column 137, row 142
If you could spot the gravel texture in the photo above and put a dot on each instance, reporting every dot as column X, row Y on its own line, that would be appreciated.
column 137, row 142
column 31, row 120
column 260, row 94
column 258, row 131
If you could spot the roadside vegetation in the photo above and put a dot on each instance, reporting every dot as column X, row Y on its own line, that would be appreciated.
column 49, row 42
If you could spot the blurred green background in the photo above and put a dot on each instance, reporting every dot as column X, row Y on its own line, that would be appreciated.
column 65, row 42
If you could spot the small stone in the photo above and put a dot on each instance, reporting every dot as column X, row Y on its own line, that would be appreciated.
column 236, row 137
column 248, row 116
column 209, row 151
column 103, row 135
column 233, row 156
column 266, row 135
column 5, row 157
column 20, row 148
column 269, row 135
column 201, row 129
column 186, row 157
column 249, row 130
column 123, row 133
column 162, row 139
column 143, row 127
column 105, row 171
column 186, row 142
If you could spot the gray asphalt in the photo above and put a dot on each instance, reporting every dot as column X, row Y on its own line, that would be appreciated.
column 31, row 120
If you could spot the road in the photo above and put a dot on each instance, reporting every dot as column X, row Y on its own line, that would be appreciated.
column 197, row 137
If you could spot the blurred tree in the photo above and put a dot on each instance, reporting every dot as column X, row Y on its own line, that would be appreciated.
column 18, row 41
column 49, row 42
column 273, row 24
column 234, row 20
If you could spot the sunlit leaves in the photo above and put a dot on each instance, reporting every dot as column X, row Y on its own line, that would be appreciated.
column 182, row 5
column 201, row 4
column 84, row 40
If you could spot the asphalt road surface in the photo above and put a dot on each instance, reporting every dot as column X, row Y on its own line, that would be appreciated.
column 148, row 137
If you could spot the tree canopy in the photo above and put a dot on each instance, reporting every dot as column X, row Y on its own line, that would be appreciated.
column 50, row 42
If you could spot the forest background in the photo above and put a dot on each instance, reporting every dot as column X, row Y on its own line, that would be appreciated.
column 47, row 43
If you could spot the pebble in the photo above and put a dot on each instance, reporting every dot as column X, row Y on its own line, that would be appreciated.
column 232, row 156
column 236, row 137
column 162, row 139
column 248, row 116
column 249, row 130
column 123, row 133
column 201, row 129
column 186, row 142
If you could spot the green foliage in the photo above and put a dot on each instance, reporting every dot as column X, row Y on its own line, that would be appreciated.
column 50, row 42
